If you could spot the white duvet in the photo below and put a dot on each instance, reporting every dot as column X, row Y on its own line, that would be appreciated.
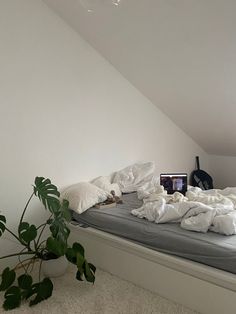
column 197, row 211
column 132, row 177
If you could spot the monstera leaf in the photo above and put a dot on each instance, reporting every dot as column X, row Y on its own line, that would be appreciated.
column 47, row 193
column 64, row 210
column 42, row 290
column 58, row 224
column 56, row 247
column 75, row 255
column 72, row 253
column 2, row 224
column 12, row 298
column 59, row 230
column 8, row 277
column 27, row 233
column 89, row 271
column 25, row 281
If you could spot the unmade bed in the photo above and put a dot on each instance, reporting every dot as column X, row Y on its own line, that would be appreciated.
column 211, row 249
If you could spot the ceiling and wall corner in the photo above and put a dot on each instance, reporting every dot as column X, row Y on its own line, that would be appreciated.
column 179, row 53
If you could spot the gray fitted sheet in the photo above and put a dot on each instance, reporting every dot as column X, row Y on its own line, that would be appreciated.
column 211, row 249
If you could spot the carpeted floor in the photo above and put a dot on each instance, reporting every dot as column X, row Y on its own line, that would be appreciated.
column 109, row 295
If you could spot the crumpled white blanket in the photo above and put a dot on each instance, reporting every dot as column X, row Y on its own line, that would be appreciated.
column 132, row 177
column 197, row 211
column 150, row 187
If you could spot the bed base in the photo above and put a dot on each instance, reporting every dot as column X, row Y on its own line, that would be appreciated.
column 199, row 287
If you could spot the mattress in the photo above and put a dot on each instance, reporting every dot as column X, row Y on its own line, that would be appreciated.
column 209, row 248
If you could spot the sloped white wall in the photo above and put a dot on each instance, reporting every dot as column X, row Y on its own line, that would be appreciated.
column 223, row 169
column 67, row 114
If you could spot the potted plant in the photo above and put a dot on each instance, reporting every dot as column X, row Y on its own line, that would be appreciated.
column 34, row 248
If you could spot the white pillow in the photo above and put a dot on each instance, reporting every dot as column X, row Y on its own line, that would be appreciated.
column 105, row 184
column 132, row 177
column 83, row 195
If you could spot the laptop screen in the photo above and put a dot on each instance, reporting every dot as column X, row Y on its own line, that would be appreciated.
column 174, row 182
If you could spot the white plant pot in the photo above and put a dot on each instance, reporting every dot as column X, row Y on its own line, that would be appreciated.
column 55, row 267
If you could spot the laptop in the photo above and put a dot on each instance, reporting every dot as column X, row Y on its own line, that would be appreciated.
column 174, row 182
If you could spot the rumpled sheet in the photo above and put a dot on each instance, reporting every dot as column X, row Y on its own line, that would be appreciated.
column 197, row 211
column 132, row 177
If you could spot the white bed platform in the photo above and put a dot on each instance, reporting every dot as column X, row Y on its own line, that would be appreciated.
column 199, row 287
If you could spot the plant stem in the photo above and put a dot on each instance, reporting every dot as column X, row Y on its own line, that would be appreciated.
column 33, row 259
column 19, row 259
column 17, row 254
column 41, row 245
column 40, row 266
column 21, row 219
column 13, row 234
column 35, row 247
column 22, row 216
column 41, row 226
column 41, row 232
column 27, row 246
column 21, row 264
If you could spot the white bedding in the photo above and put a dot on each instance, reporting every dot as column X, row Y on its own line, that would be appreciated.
column 132, row 177
column 199, row 211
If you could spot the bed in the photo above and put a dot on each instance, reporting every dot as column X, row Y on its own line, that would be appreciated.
column 191, row 268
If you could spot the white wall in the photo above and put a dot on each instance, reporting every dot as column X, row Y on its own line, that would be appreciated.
column 179, row 53
column 67, row 114
column 223, row 169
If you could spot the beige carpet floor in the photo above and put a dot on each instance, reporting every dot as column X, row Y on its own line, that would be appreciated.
column 109, row 295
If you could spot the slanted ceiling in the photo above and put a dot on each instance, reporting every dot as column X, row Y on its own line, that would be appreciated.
column 181, row 54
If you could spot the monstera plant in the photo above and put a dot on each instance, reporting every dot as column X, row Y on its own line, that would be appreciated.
column 35, row 249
